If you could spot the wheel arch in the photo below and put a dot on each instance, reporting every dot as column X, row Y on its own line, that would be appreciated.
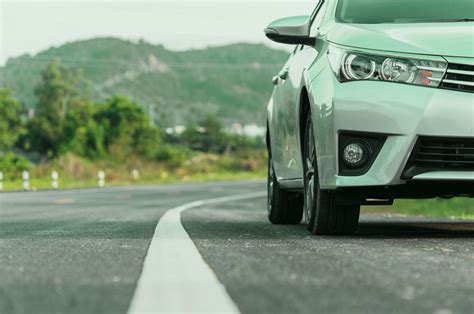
column 267, row 140
column 304, row 108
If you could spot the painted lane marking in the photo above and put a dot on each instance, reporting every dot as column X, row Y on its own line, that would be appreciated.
column 175, row 278
column 64, row 201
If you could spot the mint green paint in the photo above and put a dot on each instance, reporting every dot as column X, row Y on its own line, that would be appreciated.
column 401, row 111
column 446, row 175
column 442, row 39
column 293, row 21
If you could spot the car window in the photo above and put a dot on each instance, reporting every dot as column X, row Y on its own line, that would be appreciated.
column 316, row 10
column 404, row 11
column 318, row 17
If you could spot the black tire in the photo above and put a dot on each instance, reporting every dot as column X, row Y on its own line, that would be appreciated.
column 323, row 215
column 284, row 207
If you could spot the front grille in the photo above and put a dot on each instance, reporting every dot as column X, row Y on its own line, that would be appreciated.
column 459, row 77
column 441, row 154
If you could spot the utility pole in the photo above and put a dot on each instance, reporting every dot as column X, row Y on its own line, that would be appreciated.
column 151, row 114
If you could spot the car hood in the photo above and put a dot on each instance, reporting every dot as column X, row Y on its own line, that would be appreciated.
column 443, row 39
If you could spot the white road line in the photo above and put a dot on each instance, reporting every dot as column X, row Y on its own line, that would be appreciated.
column 175, row 278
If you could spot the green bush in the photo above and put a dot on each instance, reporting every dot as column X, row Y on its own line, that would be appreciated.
column 174, row 155
column 13, row 165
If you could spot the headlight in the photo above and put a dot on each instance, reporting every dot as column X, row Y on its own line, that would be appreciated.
column 355, row 66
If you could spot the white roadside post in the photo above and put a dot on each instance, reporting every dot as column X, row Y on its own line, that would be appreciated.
column 135, row 174
column 55, row 180
column 1, row 181
column 101, row 176
column 26, row 180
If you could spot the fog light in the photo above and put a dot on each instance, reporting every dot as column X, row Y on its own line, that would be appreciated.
column 355, row 154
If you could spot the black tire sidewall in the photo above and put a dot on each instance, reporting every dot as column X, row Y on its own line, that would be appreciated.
column 321, row 202
column 286, row 207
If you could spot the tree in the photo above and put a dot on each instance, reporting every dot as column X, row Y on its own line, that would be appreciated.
column 127, row 129
column 207, row 138
column 11, row 125
column 82, row 134
column 59, row 90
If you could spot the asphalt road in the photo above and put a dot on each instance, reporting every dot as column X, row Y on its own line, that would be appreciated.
column 83, row 252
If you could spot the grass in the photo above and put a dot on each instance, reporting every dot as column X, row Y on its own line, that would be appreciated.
column 76, row 172
column 70, row 183
column 454, row 208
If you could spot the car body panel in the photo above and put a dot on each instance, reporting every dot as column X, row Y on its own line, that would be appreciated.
column 401, row 112
column 285, row 110
column 418, row 38
column 446, row 176
column 469, row 61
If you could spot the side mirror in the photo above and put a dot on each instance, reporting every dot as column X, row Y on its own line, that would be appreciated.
column 293, row 30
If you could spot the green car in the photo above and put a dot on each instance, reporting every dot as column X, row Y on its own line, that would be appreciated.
column 374, row 104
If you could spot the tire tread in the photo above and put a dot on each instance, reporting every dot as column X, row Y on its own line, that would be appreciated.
column 287, row 207
column 328, row 218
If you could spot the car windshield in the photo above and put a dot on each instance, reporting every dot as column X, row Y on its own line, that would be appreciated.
column 404, row 11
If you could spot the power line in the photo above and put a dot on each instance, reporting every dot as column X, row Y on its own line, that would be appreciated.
column 88, row 62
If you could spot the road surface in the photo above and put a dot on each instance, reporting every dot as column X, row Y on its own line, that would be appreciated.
column 103, row 251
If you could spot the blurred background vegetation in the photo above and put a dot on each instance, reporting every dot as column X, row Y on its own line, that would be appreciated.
column 56, row 120
column 232, row 82
column 122, row 107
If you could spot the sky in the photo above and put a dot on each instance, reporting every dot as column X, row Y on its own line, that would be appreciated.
column 32, row 26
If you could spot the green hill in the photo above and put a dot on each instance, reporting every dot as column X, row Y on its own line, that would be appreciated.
column 233, row 82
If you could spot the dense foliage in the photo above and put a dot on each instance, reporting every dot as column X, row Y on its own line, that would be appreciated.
column 58, row 93
column 11, row 125
column 67, row 122
column 13, row 165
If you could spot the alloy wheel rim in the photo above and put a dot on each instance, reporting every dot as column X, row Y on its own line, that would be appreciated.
column 310, row 160
column 270, row 186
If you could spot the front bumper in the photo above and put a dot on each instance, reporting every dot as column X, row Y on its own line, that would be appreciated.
column 414, row 189
column 401, row 112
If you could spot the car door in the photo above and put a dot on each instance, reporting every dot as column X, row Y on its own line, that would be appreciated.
column 286, row 115
column 279, row 119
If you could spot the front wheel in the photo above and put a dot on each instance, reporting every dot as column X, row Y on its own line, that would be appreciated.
column 323, row 215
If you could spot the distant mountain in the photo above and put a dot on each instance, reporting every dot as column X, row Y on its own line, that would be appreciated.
column 233, row 82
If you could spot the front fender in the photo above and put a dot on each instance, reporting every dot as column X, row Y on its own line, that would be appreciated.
column 321, row 91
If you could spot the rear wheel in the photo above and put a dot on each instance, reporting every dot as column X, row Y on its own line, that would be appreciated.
column 322, row 214
column 284, row 207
